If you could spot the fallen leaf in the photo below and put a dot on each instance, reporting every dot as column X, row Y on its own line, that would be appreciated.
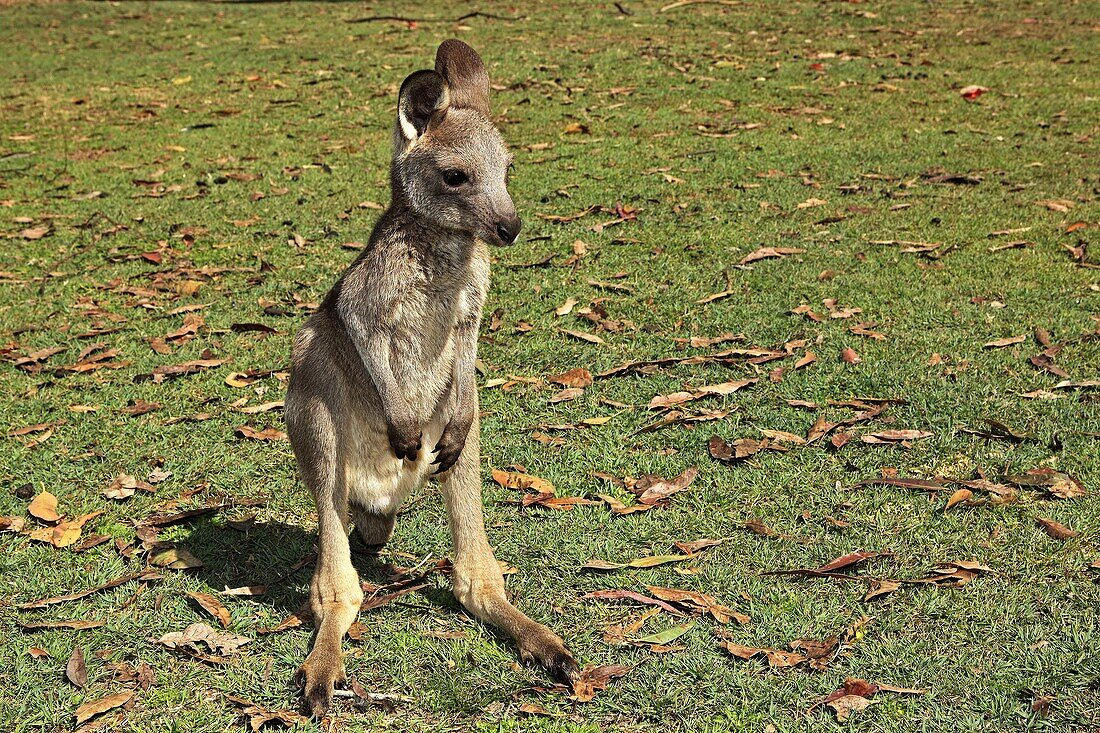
column 578, row 377
column 666, row 636
column 76, row 624
column 75, row 669
column 698, row 603
column 1055, row 529
column 146, row 574
column 767, row 252
column 266, row 434
column 259, row 716
column 522, row 482
column 592, row 679
column 91, row 709
column 566, row 395
column 175, row 558
column 581, row 335
column 219, row 642
column 959, row 497
column 213, row 606
column 848, row 704
column 68, row 531
column 881, row 588
column 629, row 595
column 1002, row 343
column 655, row 490
column 1059, row 205
column 896, row 436
column 44, row 507
column 849, row 356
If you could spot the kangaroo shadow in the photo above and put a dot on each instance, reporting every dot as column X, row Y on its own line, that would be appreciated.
column 281, row 557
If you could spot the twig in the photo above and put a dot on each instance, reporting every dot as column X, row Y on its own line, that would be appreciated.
column 402, row 19
column 683, row 3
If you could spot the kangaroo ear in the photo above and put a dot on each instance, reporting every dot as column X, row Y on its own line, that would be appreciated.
column 423, row 94
column 465, row 74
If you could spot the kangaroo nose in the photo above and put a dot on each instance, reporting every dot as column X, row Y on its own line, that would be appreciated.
column 508, row 230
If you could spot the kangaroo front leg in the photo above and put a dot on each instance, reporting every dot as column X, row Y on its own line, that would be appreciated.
column 335, row 597
column 478, row 582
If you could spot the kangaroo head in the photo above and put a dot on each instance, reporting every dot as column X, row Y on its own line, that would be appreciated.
column 449, row 162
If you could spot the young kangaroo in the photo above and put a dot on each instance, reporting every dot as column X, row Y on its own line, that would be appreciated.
column 382, row 389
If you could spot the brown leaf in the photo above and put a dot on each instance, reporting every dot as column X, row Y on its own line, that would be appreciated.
column 219, row 642
column 849, row 356
column 583, row 336
column 89, row 710
column 578, row 377
column 213, row 606
column 522, row 482
column 175, row 558
column 266, row 434
column 566, row 395
column 68, row 532
column 629, row 595
column 698, row 603
column 740, row 449
column 881, row 588
column 592, row 679
column 832, row 568
column 36, row 232
column 896, row 436
column 77, row 625
column 905, row 483
column 75, row 670
column 44, row 507
column 960, row 496
column 696, row 546
column 766, row 252
column 848, row 704
column 1002, row 343
column 139, row 407
column 655, row 490
column 1055, row 529
column 146, row 574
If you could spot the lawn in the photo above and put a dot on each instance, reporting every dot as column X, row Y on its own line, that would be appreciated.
column 803, row 189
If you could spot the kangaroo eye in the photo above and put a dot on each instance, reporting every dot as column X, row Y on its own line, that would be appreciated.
column 454, row 177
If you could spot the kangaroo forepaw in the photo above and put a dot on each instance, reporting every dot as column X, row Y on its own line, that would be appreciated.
column 318, row 679
column 548, row 651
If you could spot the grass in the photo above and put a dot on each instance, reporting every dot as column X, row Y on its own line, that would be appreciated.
column 180, row 114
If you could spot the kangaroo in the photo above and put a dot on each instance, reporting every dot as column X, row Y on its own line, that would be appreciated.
column 382, row 390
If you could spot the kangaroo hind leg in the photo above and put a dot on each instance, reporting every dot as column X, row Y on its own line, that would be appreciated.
column 335, row 594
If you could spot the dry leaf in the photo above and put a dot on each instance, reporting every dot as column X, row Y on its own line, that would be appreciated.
column 213, row 606
column 223, row 643
column 592, row 679
column 589, row 337
column 766, row 252
column 577, row 377
column 848, row 704
column 75, row 670
column 1001, row 343
column 849, row 356
column 44, row 507
column 89, row 710
column 958, row 498
column 176, row 558
column 1056, row 530
column 266, row 434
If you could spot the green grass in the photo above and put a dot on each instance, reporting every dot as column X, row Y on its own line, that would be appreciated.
column 292, row 98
